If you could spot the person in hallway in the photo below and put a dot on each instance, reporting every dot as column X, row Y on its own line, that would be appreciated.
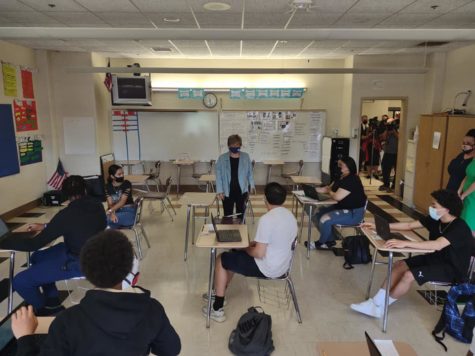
column 79, row 221
column 449, row 236
column 373, row 153
column 364, row 131
column 108, row 320
column 466, row 192
column 120, row 204
column 390, row 137
column 234, row 177
column 458, row 165
column 348, row 191
column 269, row 255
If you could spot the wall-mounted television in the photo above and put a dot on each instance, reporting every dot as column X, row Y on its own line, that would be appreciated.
column 131, row 91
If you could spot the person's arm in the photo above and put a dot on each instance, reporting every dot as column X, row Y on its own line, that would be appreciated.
column 405, row 226
column 436, row 245
column 167, row 342
column 460, row 190
column 470, row 190
column 340, row 194
column 24, row 324
column 256, row 249
column 123, row 199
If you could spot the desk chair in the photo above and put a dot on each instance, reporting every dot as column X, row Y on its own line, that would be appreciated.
column 289, row 287
column 198, row 171
column 74, row 280
column 138, row 228
column 163, row 197
column 155, row 176
column 356, row 227
column 297, row 172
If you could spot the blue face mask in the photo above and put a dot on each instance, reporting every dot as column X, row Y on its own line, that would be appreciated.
column 433, row 213
column 234, row 149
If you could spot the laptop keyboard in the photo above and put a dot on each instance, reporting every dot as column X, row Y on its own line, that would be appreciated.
column 229, row 236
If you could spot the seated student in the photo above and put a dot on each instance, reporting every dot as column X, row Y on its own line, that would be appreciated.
column 108, row 320
column 120, row 204
column 348, row 191
column 80, row 220
column 268, row 255
column 449, row 236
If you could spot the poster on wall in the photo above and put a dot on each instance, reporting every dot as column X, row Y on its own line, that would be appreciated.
column 30, row 149
column 9, row 79
column 27, row 83
column 25, row 115
column 9, row 158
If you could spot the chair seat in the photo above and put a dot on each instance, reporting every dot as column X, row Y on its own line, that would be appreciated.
column 155, row 195
column 288, row 175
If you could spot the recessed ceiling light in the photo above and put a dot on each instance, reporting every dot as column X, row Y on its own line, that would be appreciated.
column 162, row 49
column 171, row 19
column 216, row 6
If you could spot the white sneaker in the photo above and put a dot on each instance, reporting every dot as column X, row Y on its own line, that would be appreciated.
column 204, row 296
column 216, row 315
column 368, row 308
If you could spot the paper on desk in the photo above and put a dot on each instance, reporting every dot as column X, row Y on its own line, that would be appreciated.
column 209, row 227
column 386, row 347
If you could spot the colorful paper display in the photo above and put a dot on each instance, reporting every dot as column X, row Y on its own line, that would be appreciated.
column 25, row 115
column 27, row 84
column 30, row 149
column 266, row 93
column 9, row 80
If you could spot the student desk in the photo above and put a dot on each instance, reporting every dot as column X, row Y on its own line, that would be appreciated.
column 208, row 240
column 130, row 163
column 378, row 244
column 269, row 164
column 300, row 198
column 209, row 179
column 178, row 163
column 341, row 348
column 192, row 201
column 298, row 180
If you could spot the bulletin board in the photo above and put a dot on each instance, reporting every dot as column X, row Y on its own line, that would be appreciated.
column 9, row 163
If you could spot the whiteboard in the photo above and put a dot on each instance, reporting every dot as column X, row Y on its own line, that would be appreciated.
column 285, row 135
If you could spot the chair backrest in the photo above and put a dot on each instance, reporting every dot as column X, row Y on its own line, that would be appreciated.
column 293, row 247
column 211, row 165
column 138, row 211
column 300, row 167
column 168, row 185
column 156, row 173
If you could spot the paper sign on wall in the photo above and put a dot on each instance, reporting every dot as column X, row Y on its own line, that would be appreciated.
column 25, row 115
column 27, row 84
column 436, row 140
column 9, row 79
column 30, row 149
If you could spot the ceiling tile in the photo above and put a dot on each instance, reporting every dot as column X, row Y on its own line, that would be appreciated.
column 313, row 19
column 78, row 19
column 332, row 6
column 125, row 19
column 470, row 7
column 409, row 20
column 443, row 6
column 219, row 20
column 189, row 43
column 452, row 20
column 225, row 48
column 60, row 5
column 265, row 20
column 195, row 51
column 360, row 44
column 155, row 43
column 257, row 48
column 360, row 20
column 328, row 44
column 108, row 5
column 275, row 6
column 161, row 6
column 389, row 6
column 186, row 19
column 397, row 44
column 13, row 5
column 30, row 18
column 197, row 5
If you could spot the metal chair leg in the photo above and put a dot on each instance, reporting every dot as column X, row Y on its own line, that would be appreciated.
column 145, row 235
column 170, row 203
column 164, row 206
column 294, row 299
column 139, row 246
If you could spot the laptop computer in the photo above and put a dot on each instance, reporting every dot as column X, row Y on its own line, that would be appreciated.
column 373, row 350
column 310, row 192
column 383, row 230
column 6, row 233
column 225, row 235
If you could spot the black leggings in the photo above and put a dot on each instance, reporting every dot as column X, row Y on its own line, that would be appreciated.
column 238, row 200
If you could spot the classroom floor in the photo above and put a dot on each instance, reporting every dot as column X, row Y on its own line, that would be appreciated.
column 324, row 290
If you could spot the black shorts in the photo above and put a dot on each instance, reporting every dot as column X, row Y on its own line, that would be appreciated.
column 240, row 262
column 425, row 269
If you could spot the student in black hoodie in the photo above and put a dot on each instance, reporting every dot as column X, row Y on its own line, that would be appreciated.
column 108, row 320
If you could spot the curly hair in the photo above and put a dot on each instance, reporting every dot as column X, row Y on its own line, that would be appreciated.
column 107, row 258
column 73, row 186
column 449, row 200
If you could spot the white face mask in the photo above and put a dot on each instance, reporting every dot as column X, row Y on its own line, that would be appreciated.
column 433, row 213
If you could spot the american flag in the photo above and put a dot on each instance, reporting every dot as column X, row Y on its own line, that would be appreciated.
column 108, row 78
column 56, row 180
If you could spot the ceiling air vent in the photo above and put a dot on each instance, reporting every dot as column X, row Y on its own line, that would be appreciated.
column 162, row 49
column 431, row 44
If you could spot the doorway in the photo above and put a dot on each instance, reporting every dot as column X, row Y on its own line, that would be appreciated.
column 395, row 108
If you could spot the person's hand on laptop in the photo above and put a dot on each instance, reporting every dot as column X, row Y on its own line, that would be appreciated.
column 368, row 225
column 36, row 227
column 395, row 244
column 322, row 189
column 24, row 322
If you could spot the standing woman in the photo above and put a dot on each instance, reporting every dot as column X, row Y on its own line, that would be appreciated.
column 120, row 204
column 458, row 165
column 234, row 177
column 467, row 190
column 373, row 158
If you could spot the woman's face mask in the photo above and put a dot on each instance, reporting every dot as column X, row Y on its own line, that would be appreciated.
column 234, row 149
column 119, row 179
column 434, row 213
column 467, row 148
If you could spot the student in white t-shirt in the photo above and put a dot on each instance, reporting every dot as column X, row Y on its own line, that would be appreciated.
column 471, row 351
column 267, row 256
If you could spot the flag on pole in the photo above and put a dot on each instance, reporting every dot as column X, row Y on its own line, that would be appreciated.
column 108, row 78
column 56, row 180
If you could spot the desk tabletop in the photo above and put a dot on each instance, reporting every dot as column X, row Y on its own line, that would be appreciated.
column 357, row 348
column 208, row 178
column 131, row 162
column 198, row 199
column 183, row 162
column 378, row 242
column 273, row 162
column 305, row 180
column 208, row 239
column 137, row 178
column 300, row 195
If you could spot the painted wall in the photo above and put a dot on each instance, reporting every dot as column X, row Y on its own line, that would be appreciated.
column 379, row 107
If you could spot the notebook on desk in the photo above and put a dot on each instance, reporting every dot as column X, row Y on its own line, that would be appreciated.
column 226, row 235
column 310, row 192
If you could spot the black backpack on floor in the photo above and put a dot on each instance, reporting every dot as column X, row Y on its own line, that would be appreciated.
column 356, row 251
column 253, row 335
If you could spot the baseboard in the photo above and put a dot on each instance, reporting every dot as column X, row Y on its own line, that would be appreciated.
column 21, row 209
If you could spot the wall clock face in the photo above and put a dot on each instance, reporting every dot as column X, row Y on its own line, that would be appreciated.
column 210, row 100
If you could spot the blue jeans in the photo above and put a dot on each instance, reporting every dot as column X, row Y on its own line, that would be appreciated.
column 125, row 216
column 328, row 216
column 47, row 266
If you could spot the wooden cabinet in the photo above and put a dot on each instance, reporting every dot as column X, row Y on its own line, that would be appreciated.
column 431, row 162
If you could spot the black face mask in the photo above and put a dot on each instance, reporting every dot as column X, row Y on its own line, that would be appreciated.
column 365, row 122
column 119, row 179
column 466, row 151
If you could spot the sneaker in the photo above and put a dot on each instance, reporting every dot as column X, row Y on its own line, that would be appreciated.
column 313, row 245
column 326, row 246
column 368, row 308
column 383, row 188
column 216, row 315
column 204, row 296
